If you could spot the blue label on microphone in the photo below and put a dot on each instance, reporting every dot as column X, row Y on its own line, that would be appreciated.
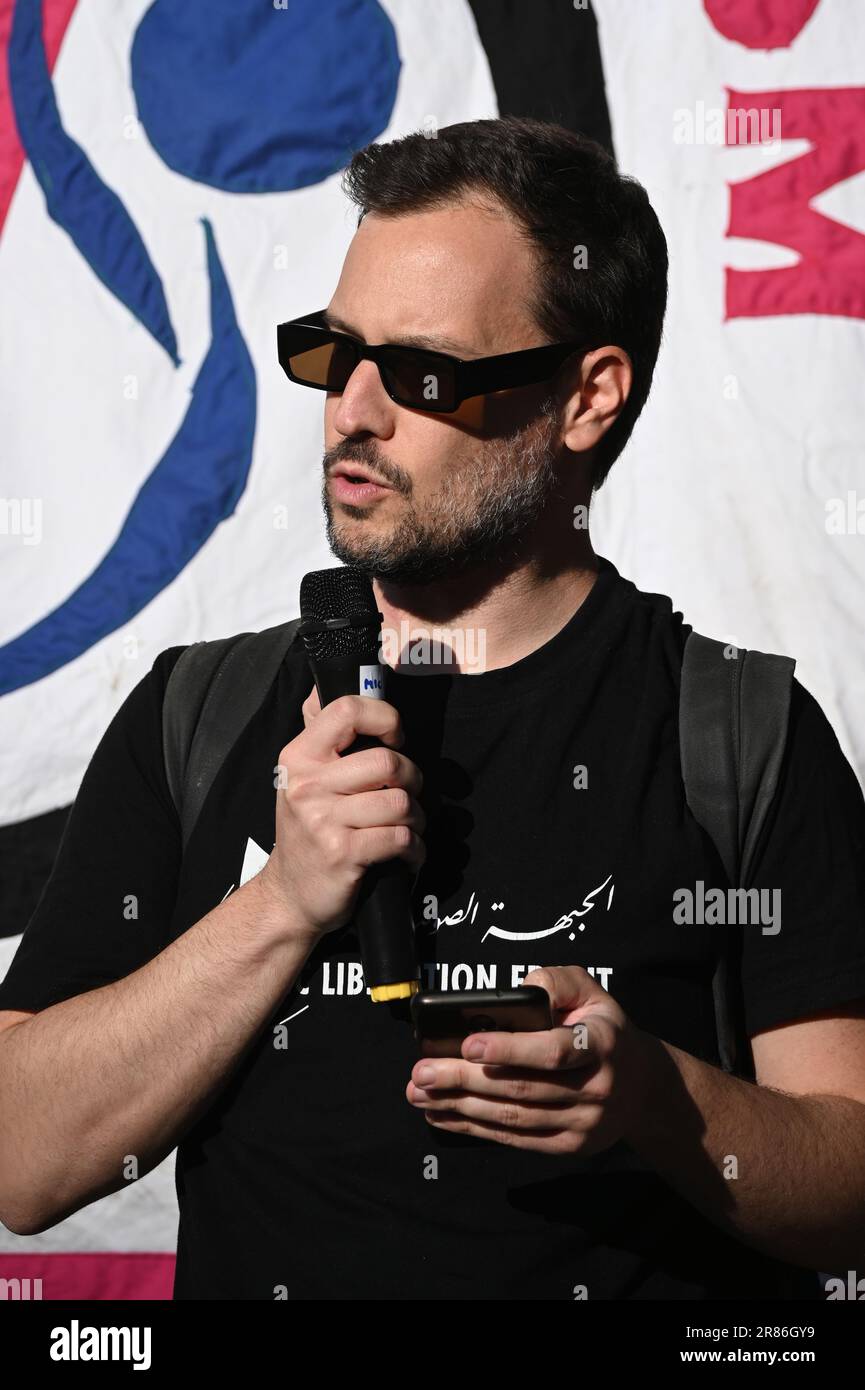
column 372, row 681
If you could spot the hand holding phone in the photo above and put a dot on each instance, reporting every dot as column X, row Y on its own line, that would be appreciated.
column 442, row 1021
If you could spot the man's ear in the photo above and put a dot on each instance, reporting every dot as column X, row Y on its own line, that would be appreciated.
column 595, row 391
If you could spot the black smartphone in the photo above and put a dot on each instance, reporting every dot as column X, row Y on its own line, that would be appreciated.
column 441, row 1021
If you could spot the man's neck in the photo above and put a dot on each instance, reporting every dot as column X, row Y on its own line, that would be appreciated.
column 485, row 620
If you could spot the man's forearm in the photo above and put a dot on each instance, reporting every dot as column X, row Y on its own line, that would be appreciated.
column 125, row 1069
column 784, row 1173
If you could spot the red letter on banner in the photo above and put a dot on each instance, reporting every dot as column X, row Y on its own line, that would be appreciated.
column 774, row 207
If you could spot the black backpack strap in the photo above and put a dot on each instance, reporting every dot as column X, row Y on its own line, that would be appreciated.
column 734, row 710
column 184, row 696
column 213, row 692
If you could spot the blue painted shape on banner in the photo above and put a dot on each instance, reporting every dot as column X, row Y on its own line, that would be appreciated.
column 195, row 486
column 75, row 196
column 251, row 98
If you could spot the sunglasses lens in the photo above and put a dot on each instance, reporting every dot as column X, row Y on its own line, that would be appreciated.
column 328, row 364
column 423, row 381
column 426, row 383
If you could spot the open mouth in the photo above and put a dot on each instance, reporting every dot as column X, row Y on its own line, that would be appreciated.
column 356, row 477
column 354, row 485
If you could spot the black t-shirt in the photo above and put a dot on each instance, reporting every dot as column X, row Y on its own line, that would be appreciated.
column 311, row 1173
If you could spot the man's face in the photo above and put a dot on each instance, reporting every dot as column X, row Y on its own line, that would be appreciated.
column 462, row 488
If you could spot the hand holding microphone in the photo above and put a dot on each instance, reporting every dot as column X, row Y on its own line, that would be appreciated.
column 348, row 828
column 335, row 816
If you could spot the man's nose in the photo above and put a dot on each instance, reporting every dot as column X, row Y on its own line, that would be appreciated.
column 364, row 405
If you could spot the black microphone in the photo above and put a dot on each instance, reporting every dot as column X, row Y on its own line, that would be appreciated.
column 341, row 627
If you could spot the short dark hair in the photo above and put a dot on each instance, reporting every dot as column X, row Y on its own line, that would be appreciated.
column 566, row 192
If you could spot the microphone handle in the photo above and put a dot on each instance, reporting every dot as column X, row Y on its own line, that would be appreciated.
column 345, row 675
column 384, row 924
column 382, row 916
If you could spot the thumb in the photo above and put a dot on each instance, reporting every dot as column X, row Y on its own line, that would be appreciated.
column 311, row 707
column 570, row 987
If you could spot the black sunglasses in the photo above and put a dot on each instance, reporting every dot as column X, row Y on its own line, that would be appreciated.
column 312, row 354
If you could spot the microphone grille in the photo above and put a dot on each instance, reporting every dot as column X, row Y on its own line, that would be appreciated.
column 340, row 592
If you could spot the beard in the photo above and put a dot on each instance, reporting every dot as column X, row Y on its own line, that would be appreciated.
column 483, row 513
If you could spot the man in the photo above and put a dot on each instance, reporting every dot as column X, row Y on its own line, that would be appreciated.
column 540, row 800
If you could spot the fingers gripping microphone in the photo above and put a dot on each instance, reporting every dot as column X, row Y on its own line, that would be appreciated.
column 340, row 627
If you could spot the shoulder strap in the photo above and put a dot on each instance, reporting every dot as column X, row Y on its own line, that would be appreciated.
column 212, row 694
column 734, row 709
